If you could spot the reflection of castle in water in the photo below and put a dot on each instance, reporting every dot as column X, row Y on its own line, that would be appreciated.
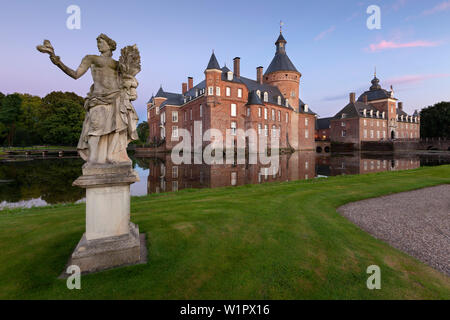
column 365, row 163
column 165, row 176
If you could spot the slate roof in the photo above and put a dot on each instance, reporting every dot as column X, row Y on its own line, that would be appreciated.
column 280, row 62
column 213, row 64
column 375, row 92
column 253, row 98
column 356, row 110
column 323, row 123
column 302, row 108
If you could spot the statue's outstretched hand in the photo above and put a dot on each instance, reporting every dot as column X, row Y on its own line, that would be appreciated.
column 55, row 59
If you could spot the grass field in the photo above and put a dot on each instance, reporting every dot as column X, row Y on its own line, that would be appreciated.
column 270, row 241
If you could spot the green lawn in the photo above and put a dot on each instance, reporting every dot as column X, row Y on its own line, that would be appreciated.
column 271, row 241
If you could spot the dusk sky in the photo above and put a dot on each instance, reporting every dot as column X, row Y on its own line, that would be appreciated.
column 328, row 42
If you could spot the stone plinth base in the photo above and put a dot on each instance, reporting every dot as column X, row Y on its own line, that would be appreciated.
column 100, row 254
column 111, row 240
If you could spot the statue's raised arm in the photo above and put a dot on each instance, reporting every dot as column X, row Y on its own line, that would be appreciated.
column 47, row 47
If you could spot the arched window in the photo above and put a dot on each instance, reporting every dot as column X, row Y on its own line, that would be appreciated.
column 266, row 97
column 258, row 93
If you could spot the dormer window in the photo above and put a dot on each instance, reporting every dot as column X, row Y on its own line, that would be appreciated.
column 258, row 93
column 378, row 114
column 266, row 97
column 279, row 100
column 229, row 75
column 371, row 113
column 365, row 112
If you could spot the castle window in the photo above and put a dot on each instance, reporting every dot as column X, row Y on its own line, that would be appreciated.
column 259, row 112
column 228, row 91
column 266, row 97
column 175, row 132
column 342, row 124
column 365, row 122
column 239, row 93
column 233, row 128
column 371, row 134
column 218, row 91
column 365, row 133
column 293, row 94
column 273, row 115
column 157, row 110
column 279, row 100
column 233, row 110
column 266, row 130
column 306, row 122
column 344, row 133
column 201, row 111
column 259, row 128
column 306, row 133
column 174, row 116
column 274, row 131
column 210, row 91
column 248, row 112
column 279, row 115
column 265, row 113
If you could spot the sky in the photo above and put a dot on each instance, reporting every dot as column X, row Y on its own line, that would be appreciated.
column 328, row 42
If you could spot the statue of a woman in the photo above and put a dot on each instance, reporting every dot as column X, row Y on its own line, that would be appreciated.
column 110, row 122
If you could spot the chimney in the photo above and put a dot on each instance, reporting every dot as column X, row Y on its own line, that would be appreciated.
column 184, row 87
column 190, row 83
column 365, row 99
column 352, row 97
column 400, row 106
column 237, row 67
column 259, row 74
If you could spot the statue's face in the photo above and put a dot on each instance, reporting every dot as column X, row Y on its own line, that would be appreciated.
column 102, row 45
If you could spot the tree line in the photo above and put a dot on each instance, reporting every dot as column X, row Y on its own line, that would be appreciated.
column 56, row 119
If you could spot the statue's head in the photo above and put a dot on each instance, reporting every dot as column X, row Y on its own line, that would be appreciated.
column 130, row 84
column 105, row 43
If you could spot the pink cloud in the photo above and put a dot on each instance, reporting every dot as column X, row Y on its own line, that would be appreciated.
column 439, row 8
column 322, row 35
column 383, row 45
column 415, row 78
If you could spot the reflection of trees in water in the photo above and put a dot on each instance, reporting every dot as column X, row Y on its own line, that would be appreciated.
column 49, row 179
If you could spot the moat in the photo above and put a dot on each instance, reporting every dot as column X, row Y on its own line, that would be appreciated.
column 38, row 181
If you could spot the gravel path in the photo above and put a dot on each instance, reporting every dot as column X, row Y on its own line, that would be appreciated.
column 416, row 222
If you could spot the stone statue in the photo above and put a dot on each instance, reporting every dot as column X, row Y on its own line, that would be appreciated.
column 110, row 122
column 111, row 239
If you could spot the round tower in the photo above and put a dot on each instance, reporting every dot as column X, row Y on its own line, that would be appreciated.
column 283, row 74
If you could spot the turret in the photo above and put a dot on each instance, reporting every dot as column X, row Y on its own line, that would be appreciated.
column 283, row 74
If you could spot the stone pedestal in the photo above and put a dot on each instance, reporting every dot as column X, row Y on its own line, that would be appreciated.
column 111, row 240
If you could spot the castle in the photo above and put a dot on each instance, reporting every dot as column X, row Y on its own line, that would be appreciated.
column 226, row 100
column 375, row 116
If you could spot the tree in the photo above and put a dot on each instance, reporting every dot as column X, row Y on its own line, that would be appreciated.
column 435, row 121
column 28, row 122
column 9, row 114
column 143, row 131
column 61, row 118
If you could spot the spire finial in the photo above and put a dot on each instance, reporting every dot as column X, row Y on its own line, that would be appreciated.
column 281, row 26
column 375, row 74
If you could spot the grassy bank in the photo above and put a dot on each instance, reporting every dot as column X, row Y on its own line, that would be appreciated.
column 271, row 241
